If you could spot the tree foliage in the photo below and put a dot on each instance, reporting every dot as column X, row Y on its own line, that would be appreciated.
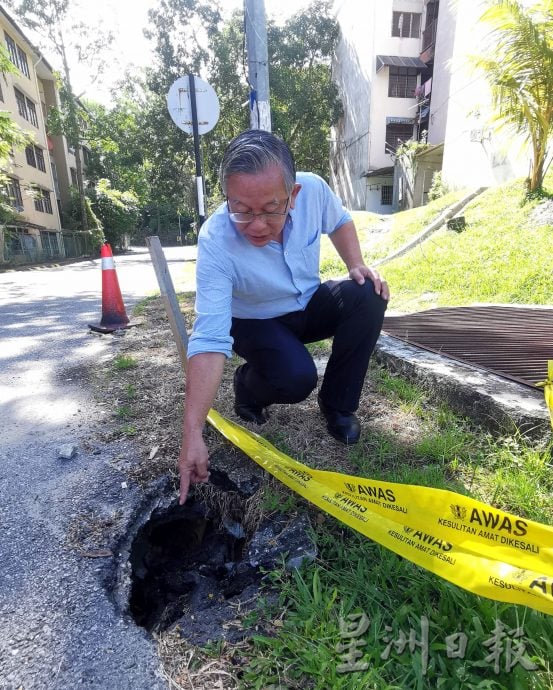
column 72, row 217
column 117, row 212
column 519, row 67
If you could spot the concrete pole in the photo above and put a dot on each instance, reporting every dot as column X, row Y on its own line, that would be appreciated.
column 258, row 64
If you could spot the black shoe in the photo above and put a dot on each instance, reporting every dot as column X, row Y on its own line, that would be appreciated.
column 247, row 411
column 343, row 427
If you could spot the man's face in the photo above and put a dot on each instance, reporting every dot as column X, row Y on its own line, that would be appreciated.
column 260, row 193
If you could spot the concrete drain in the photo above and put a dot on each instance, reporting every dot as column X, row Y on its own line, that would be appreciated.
column 193, row 567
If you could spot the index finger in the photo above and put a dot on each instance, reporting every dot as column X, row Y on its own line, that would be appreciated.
column 184, row 486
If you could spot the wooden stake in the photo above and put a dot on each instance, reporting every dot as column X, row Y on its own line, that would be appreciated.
column 169, row 296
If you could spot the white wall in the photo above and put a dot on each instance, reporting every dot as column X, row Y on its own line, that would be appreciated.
column 443, row 52
column 475, row 154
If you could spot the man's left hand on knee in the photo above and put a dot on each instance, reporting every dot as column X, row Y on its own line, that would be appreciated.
column 360, row 273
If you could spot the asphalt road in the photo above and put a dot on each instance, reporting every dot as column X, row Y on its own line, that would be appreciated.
column 60, row 625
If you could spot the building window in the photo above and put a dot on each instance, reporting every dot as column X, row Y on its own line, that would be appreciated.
column 386, row 194
column 13, row 190
column 35, row 157
column 406, row 24
column 33, row 119
column 17, row 55
column 30, row 155
column 397, row 134
column 402, row 82
column 12, row 48
column 21, row 104
column 74, row 180
column 25, row 107
column 43, row 202
column 40, row 164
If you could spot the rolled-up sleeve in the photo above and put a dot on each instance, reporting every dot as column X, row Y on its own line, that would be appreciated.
column 213, row 307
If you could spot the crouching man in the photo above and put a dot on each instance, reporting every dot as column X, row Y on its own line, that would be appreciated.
column 259, row 293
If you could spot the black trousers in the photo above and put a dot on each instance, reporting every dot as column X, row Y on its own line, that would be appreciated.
column 279, row 368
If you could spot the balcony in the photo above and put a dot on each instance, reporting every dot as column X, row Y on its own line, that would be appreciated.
column 428, row 42
column 429, row 35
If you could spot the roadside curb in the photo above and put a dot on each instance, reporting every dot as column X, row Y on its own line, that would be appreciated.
column 490, row 400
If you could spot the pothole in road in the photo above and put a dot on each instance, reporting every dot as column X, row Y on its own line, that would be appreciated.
column 201, row 565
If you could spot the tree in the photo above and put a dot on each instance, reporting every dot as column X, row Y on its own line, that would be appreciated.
column 519, row 67
column 116, row 210
column 115, row 138
column 72, row 217
column 304, row 99
column 52, row 21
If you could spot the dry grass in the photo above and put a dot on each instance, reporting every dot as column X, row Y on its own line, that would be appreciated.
column 190, row 669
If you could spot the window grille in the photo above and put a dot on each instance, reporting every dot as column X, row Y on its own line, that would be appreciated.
column 386, row 194
column 21, row 104
column 43, row 203
column 13, row 191
column 402, row 82
column 33, row 119
column 397, row 134
column 30, row 155
column 25, row 107
column 406, row 24
column 39, row 154
column 35, row 157
column 17, row 56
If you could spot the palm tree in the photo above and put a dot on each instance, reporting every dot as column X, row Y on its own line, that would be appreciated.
column 519, row 68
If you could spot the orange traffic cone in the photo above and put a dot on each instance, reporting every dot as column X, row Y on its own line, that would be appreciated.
column 114, row 315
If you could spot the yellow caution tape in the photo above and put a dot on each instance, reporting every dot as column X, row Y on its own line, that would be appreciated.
column 475, row 546
column 547, row 386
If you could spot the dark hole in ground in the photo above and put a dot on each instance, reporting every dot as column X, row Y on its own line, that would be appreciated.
column 184, row 562
column 196, row 568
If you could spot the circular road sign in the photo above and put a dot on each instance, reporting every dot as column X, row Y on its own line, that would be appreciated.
column 180, row 106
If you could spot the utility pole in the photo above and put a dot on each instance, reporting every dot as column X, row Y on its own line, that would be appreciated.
column 258, row 64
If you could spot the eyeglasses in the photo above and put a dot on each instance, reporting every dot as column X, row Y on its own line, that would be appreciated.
column 248, row 216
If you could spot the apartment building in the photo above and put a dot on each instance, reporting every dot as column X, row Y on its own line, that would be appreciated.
column 40, row 176
column 403, row 71
column 377, row 69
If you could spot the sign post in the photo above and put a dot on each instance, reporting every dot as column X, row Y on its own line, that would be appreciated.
column 194, row 107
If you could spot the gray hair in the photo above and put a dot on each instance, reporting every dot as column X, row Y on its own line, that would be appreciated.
column 253, row 151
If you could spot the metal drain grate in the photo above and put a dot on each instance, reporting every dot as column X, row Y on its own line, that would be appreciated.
column 514, row 342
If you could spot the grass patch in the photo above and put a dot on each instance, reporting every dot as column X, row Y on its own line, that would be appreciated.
column 406, row 225
column 501, row 257
column 129, row 429
column 123, row 412
column 124, row 362
column 380, row 236
column 141, row 307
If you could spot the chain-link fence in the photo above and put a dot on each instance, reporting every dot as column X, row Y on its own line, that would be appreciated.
column 23, row 245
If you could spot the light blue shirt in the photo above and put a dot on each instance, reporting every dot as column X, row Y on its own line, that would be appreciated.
column 236, row 279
